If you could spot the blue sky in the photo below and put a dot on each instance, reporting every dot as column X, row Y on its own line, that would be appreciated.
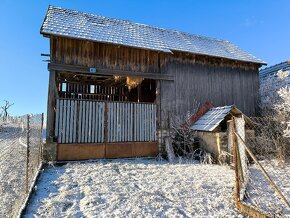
column 260, row 27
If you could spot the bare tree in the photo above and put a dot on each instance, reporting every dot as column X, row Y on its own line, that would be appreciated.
column 5, row 108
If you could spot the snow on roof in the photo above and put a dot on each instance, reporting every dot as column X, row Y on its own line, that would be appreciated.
column 79, row 25
column 211, row 119
column 268, row 71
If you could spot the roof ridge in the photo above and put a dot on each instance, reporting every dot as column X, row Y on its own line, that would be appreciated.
column 142, row 24
column 128, row 33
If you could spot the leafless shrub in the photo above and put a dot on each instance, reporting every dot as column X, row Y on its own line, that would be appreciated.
column 182, row 141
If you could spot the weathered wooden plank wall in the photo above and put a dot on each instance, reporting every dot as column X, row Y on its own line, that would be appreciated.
column 129, row 122
column 83, row 121
column 92, row 54
column 79, row 121
column 196, row 82
column 204, row 78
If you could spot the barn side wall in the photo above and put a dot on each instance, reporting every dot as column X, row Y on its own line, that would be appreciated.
column 195, row 83
column 197, row 78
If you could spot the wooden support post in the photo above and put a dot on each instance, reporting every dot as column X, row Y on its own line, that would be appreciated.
column 235, row 150
column 51, row 104
column 276, row 189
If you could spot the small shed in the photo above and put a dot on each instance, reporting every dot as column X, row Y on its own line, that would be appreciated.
column 113, row 82
column 212, row 129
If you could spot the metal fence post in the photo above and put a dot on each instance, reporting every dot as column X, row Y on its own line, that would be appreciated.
column 41, row 140
column 27, row 152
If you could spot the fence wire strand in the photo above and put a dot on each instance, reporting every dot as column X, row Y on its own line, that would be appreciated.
column 20, row 158
column 265, row 139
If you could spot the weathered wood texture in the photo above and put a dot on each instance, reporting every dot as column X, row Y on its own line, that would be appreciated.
column 221, row 85
column 111, row 150
column 204, row 78
column 106, row 56
column 129, row 122
column 51, row 101
column 80, row 151
column 83, row 121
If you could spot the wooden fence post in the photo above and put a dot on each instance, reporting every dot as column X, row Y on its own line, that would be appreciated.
column 265, row 173
column 235, row 161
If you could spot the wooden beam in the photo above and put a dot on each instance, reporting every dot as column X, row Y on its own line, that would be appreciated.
column 99, row 71
column 51, row 103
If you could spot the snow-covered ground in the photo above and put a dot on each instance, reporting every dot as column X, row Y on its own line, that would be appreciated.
column 261, row 194
column 12, row 169
column 134, row 188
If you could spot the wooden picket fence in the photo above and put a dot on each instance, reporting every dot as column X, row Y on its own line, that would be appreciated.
column 89, row 121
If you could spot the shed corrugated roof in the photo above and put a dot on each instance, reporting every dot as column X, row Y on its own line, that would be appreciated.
column 79, row 25
column 211, row 119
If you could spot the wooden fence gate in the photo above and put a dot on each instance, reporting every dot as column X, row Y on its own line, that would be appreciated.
column 88, row 129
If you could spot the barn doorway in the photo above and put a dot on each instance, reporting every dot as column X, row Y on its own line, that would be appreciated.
column 105, row 117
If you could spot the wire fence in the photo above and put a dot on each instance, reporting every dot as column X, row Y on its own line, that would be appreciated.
column 20, row 159
column 262, row 166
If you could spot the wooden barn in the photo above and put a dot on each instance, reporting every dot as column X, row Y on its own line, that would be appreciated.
column 112, row 83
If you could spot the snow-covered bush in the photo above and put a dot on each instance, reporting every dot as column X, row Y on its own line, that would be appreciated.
column 275, row 108
column 183, row 138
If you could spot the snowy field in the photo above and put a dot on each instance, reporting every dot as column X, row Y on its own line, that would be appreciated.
column 12, row 169
column 261, row 194
column 134, row 188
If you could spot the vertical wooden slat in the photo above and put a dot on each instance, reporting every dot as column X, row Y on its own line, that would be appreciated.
column 97, row 121
column 60, row 121
column 83, row 120
column 75, row 121
column 86, row 120
column 90, row 123
column 129, row 122
column 71, row 123
column 109, row 121
column 102, row 114
column 136, row 123
column 116, row 123
column 56, row 130
column 100, row 132
column 149, row 122
column 67, row 121
column 140, row 121
column 145, row 123
column 112, row 130
column 64, row 121
column 122, row 122
column 80, row 121
column 93, row 123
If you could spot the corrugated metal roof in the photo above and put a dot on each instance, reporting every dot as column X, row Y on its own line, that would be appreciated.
column 79, row 25
column 211, row 119
column 274, row 69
